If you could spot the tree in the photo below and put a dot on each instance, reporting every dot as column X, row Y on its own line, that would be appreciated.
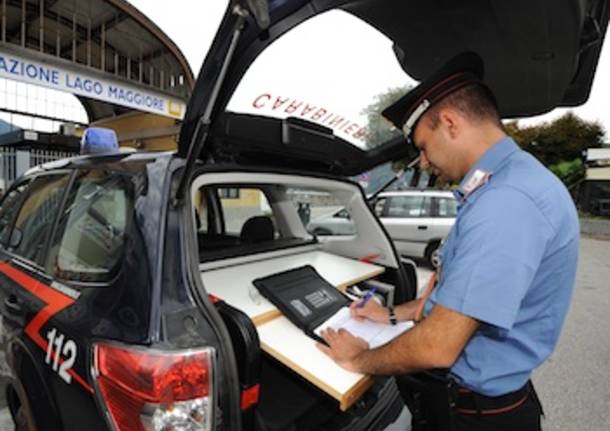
column 561, row 140
column 381, row 130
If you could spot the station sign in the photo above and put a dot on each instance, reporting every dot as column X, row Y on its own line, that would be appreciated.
column 89, row 85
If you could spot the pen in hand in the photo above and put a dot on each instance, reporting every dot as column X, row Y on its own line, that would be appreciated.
column 366, row 298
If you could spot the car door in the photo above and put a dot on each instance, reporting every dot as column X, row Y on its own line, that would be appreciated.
column 11, row 314
column 31, row 301
column 445, row 211
column 407, row 218
column 84, row 258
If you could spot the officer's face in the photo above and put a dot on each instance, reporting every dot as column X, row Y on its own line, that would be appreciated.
column 437, row 149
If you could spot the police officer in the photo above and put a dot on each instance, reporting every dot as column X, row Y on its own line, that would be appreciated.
column 508, row 273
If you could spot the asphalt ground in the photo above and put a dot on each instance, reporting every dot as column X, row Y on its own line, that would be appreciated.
column 574, row 384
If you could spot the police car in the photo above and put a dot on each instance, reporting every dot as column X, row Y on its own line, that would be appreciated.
column 108, row 306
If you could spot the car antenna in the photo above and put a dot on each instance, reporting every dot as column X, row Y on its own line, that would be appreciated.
column 395, row 178
column 260, row 11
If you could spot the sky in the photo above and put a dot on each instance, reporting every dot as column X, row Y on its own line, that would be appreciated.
column 287, row 73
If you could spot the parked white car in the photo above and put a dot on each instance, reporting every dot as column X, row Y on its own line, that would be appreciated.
column 416, row 220
column 334, row 223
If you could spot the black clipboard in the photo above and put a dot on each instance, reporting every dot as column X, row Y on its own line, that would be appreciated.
column 303, row 296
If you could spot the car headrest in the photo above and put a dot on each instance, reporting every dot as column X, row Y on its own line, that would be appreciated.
column 257, row 229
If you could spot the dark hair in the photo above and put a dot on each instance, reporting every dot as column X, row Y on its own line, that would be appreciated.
column 475, row 101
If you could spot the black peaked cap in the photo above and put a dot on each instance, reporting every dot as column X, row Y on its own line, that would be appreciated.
column 458, row 72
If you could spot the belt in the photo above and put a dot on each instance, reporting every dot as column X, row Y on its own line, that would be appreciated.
column 467, row 402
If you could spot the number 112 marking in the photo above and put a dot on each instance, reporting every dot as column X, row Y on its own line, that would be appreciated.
column 67, row 349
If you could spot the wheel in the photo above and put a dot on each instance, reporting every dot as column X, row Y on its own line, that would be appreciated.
column 21, row 421
column 433, row 254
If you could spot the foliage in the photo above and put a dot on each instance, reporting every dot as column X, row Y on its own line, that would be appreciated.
column 570, row 172
column 562, row 139
column 559, row 144
column 381, row 130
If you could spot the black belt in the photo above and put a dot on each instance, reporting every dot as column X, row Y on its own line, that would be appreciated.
column 465, row 401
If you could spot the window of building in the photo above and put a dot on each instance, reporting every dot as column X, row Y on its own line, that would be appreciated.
column 228, row 193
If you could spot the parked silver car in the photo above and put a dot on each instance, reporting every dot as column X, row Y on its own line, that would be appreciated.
column 334, row 223
column 416, row 220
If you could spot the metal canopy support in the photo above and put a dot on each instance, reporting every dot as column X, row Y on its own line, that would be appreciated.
column 41, row 26
column 23, row 21
column 61, row 28
column 3, row 20
column 74, row 37
column 103, row 48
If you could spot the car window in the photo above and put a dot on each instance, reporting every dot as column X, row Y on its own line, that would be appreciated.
column 447, row 207
column 92, row 228
column 342, row 214
column 36, row 216
column 322, row 212
column 379, row 206
column 328, row 85
column 10, row 205
column 241, row 205
column 409, row 206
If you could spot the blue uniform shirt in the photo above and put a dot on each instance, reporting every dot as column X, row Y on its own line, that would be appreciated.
column 509, row 262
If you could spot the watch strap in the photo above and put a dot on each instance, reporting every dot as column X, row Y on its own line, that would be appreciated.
column 392, row 316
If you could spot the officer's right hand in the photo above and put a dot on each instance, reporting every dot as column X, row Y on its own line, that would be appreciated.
column 372, row 310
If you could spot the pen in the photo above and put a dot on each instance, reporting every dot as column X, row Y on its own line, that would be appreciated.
column 366, row 298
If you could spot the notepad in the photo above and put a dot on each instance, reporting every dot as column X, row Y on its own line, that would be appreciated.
column 374, row 333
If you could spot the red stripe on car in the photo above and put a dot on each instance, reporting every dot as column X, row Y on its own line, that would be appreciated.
column 56, row 301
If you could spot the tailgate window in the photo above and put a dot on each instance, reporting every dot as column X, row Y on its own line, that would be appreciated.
column 88, row 245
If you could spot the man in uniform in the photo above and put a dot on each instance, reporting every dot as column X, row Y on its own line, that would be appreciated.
column 508, row 269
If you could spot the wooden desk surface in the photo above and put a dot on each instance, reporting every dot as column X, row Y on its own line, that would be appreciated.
column 289, row 345
column 278, row 336
column 234, row 284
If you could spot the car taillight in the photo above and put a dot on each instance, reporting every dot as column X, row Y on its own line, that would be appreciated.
column 147, row 389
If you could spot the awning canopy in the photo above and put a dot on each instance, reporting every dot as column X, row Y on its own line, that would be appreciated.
column 110, row 38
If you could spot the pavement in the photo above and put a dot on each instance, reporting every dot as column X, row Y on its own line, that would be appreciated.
column 574, row 383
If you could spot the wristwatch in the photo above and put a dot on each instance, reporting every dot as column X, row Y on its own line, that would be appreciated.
column 392, row 316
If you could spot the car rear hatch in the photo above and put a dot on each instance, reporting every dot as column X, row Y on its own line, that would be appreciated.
column 538, row 55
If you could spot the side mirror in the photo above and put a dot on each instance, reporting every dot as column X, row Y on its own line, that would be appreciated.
column 16, row 237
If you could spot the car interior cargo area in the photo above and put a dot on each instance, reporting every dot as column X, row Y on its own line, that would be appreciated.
column 286, row 401
column 256, row 226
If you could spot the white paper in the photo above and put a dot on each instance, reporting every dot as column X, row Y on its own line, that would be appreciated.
column 374, row 333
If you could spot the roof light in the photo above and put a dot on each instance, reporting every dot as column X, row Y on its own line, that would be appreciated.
column 99, row 140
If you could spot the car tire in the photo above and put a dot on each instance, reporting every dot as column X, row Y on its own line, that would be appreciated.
column 21, row 420
column 433, row 256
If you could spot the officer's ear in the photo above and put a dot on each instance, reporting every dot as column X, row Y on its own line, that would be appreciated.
column 447, row 121
column 451, row 121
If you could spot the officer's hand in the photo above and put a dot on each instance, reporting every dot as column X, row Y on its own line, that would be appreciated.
column 343, row 347
column 372, row 310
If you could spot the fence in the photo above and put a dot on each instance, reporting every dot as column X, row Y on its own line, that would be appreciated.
column 14, row 162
